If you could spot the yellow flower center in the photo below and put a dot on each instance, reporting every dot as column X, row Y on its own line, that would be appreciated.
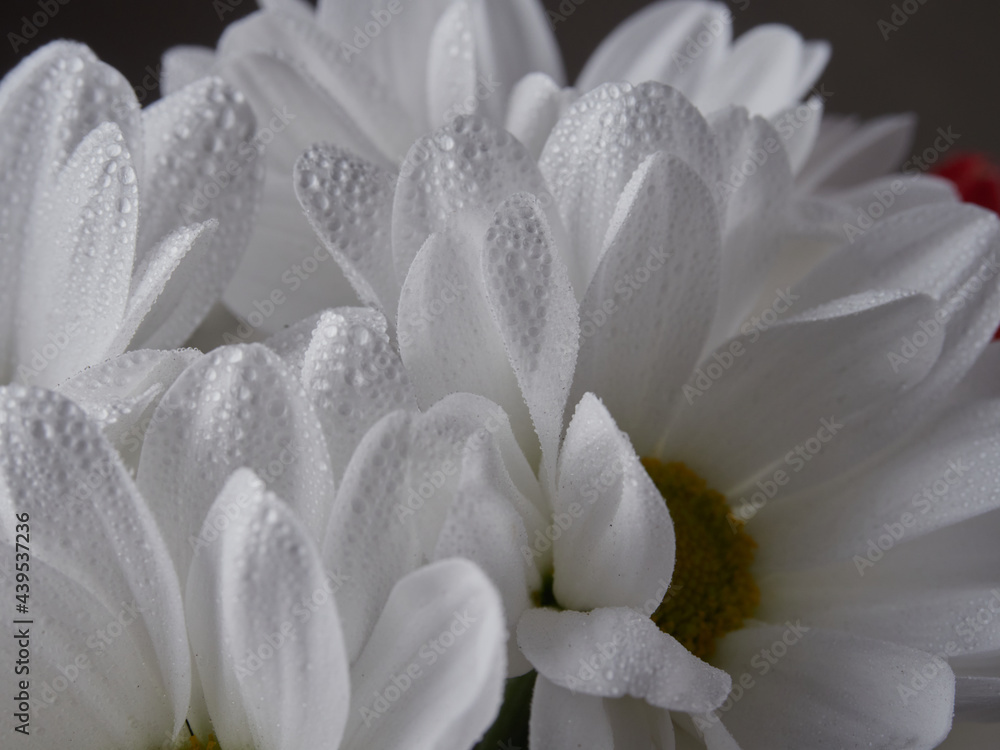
column 712, row 590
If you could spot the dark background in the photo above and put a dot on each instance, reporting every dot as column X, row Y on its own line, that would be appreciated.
column 943, row 63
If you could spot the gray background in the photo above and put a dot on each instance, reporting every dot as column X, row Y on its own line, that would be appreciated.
column 942, row 64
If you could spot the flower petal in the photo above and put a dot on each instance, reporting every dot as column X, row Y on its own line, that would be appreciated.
column 183, row 65
column 761, row 396
column 166, row 302
column 943, row 476
column 854, row 691
column 348, row 202
column 486, row 524
column 442, row 631
column 600, row 142
column 353, row 377
column 459, row 175
column 769, row 68
column 614, row 522
column 236, row 407
column 448, row 336
column 617, row 652
column 451, row 67
column 529, row 292
column 536, row 104
column 54, row 463
column 74, row 295
column 119, row 394
column 847, row 152
column 564, row 720
column 652, row 298
column 264, row 626
column 663, row 42
column 49, row 104
column 395, row 497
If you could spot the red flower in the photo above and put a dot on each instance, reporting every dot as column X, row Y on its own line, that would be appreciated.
column 976, row 177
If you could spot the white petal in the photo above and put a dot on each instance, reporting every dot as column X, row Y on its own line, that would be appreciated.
column 753, row 209
column 536, row 103
column 847, row 153
column 652, row 298
column 394, row 500
column 167, row 301
column 200, row 167
column 529, row 291
column 900, row 192
column 799, row 127
column 183, row 65
column 264, row 626
column 451, row 67
column 99, row 655
column 342, row 73
column 948, row 251
column 292, row 343
column 448, row 336
column 614, row 522
column 54, row 463
column 846, row 691
column 744, row 408
column 75, row 286
column 353, row 377
column 944, row 476
column 512, row 39
column 768, row 69
column 563, row 720
column 598, row 144
column 236, row 407
column 443, row 630
column 119, row 394
column 49, row 104
column 458, row 174
column 617, row 652
column 663, row 42
column 487, row 524
column 348, row 202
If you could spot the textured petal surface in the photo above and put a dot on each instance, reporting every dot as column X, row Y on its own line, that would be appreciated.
column 460, row 174
column 121, row 393
column 349, row 204
column 443, row 628
column 808, row 682
column 448, row 335
column 183, row 65
column 75, row 291
column 264, row 627
column 619, row 528
column 652, row 298
column 536, row 103
column 48, row 104
column 600, row 142
column 353, row 377
column 617, row 652
column 103, row 561
column 751, row 406
column 236, row 407
column 199, row 167
column 529, row 291
column 395, row 497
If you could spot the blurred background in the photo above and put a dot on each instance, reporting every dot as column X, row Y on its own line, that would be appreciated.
column 943, row 63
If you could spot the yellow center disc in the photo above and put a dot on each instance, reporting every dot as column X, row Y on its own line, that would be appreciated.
column 712, row 591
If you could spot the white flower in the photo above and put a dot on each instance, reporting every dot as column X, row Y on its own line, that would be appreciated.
column 120, row 226
column 819, row 378
column 372, row 77
column 111, row 635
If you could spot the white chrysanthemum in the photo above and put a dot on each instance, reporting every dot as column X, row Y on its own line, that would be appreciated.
column 372, row 77
column 111, row 633
column 120, row 226
column 810, row 382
